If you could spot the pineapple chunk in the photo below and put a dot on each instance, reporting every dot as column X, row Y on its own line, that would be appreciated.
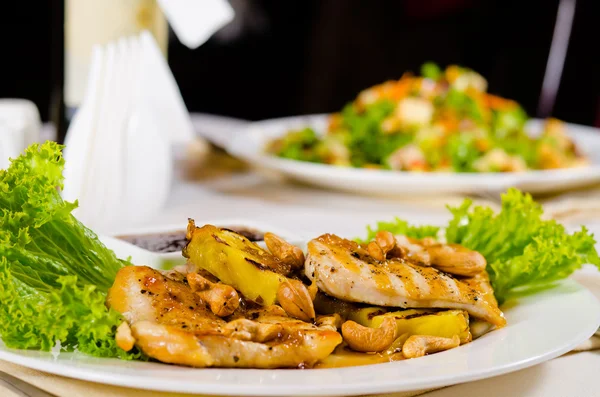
column 432, row 322
column 369, row 316
column 236, row 261
column 445, row 323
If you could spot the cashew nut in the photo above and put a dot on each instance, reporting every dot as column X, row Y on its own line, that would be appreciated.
column 222, row 299
column 375, row 251
column 427, row 241
column 284, row 251
column 450, row 258
column 385, row 240
column 294, row 298
column 330, row 322
column 415, row 249
column 384, row 244
column 456, row 259
column 365, row 339
column 420, row 345
column 124, row 338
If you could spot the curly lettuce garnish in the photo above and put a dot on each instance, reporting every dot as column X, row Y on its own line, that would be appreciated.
column 524, row 252
column 54, row 272
column 400, row 227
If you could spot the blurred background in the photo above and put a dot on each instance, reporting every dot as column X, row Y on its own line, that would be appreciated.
column 280, row 58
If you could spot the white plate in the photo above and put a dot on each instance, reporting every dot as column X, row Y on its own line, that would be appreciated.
column 249, row 144
column 540, row 327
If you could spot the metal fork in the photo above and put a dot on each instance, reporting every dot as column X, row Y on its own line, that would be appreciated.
column 22, row 388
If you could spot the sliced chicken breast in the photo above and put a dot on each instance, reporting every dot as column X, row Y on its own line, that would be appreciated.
column 171, row 323
column 343, row 269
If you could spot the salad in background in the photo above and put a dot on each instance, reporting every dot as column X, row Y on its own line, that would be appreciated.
column 443, row 120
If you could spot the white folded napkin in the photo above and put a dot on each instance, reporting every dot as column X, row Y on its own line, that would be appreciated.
column 195, row 21
column 119, row 146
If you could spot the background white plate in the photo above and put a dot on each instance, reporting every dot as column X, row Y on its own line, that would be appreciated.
column 249, row 143
column 540, row 327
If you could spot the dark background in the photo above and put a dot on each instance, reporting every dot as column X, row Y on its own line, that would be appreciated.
column 305, row 56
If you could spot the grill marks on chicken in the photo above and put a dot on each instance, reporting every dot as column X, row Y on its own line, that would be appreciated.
column 171, row 323
column 345, row 270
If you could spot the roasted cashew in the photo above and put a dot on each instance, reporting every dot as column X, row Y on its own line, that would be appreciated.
column 384, row 244
column 124, row 338
column 295, row 299
column 284, row 251
column 248, row 330
column 456, row 259
column 375, row 251
column 222, row 299
column 450, row 258
column 331, row 322
column 365, row 339
column 425, row 241
column 386, row 241
column 420, row 345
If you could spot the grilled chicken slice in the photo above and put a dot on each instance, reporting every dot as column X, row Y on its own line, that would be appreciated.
column 481, row 283
column 343, row 269
column 171, row 323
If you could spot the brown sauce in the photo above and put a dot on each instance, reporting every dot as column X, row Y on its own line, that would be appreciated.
column 176, row 241
column 343, row 356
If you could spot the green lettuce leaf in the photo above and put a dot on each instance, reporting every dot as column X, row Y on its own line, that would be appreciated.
column 431, row 70
column 525, row 252
column 54, row 272
column 400, row 227
column 462, row 151
column 367, row 142
column 299, row 145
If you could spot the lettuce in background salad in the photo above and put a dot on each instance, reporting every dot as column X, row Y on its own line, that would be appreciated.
column 443, row 120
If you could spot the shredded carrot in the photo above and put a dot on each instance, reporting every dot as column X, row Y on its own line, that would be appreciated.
column 495, row 102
